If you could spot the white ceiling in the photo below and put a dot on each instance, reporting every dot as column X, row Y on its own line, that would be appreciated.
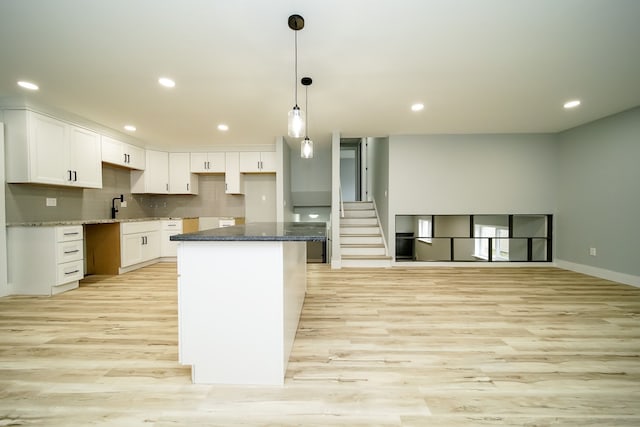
column 479, row 66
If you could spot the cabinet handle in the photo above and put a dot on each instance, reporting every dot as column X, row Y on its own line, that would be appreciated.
column 75, row 176
column 72, row 252
column 71, row 272
column 125, row 158
column 71, row 233
column 187, row 187
column 69, row 175
column 208, row 165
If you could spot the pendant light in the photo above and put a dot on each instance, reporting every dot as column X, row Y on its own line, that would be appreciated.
column 295, row 126
column 306, row 145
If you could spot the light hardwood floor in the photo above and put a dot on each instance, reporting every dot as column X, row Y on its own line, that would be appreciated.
column 402, row 346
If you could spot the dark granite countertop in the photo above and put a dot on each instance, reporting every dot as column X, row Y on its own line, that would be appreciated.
column 260, row 231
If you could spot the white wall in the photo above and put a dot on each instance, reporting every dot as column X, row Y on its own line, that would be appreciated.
column 471, row 174
column 599, row 197
column 4, row 290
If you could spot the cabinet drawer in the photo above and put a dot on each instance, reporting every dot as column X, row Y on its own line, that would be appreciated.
column 68, row 233
column 70, row 272
column 69, row 251
column 139, row 227
column 172, row 225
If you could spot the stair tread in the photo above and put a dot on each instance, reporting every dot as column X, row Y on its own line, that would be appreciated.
column 362, row 245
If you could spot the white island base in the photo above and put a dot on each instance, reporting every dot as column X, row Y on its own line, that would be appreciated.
column 239, row 303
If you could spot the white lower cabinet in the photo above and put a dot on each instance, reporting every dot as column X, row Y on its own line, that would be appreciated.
column 139, row 243
column 169, row 227
column 45, row 260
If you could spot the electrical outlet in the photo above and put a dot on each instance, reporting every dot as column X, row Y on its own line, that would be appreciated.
column 51, row 201
column 123, row 204
column 592, row 251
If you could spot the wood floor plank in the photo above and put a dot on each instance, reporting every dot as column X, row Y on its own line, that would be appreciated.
column 375, row 347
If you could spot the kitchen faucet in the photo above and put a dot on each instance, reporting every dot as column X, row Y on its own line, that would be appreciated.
column 114, row 211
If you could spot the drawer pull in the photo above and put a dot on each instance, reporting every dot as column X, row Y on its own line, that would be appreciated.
column 71, row 272
column 75, row 251
column 74, row 233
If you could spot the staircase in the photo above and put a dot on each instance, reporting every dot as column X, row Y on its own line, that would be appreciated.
column 361, row 242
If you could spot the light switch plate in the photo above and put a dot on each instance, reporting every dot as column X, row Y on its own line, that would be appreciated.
column 52, row 201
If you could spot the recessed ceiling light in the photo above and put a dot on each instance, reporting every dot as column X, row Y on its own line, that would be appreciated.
column 222, row 127
column 166, row 82
column 130, row 128
column 417, row 107
column 572, row 104
column 28, row 85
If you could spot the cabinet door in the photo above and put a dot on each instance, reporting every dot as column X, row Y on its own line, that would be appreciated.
column 131, row 249
column 135, row 156
column 155, row 177
column 151, row 245
column 216, row 162
column 250, row 161
column 112, row 151
column 234, row 181
column 198, row 163
column 268, row 161
column 181, row 180
column 85, row 158
column 48, row 150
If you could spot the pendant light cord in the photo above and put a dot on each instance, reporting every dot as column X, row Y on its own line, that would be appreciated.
column 306, row 109
column 295, row 86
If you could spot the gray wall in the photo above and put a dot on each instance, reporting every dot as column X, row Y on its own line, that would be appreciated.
column 260, row 197
column 471, row 174
column 599, row 194
column 4, row 288
column 311, row 178
column 378, row 152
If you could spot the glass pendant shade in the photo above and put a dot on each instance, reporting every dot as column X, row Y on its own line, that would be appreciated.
column 296, row 123
column 306, row 148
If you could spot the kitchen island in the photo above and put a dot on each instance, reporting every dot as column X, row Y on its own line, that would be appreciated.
column 240, row 294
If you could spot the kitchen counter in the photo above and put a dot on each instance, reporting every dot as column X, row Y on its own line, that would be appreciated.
column 261, row 231
column 240, row 295
column 87, row 221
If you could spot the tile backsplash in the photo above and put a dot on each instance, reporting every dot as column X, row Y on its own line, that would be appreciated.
column 27, row 203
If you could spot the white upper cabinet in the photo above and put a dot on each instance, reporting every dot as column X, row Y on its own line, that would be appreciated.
column 155, row 177
column 44, row 150
column 233, row 179
column 85, row 144
column 258, row 162
column 181, row 180
column 208, row 162
column 122, row 154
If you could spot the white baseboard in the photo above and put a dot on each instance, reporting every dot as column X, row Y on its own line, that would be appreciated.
column 602, row 273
